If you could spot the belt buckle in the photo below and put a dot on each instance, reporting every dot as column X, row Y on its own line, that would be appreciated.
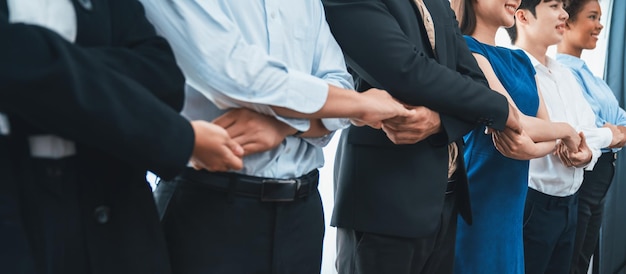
column 279, row 190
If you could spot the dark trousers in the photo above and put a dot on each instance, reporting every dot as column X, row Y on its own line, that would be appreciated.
column 214, row 230
column 370, row 253
column 51, row 219
column 590, row 210
column 549, row 230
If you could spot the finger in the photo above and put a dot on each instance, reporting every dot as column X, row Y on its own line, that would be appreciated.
column 500, row 144
column 357, row 123
column 566, row 154
column 563, row 157
column 506, row 139
column 391, row 135
column 244, row 138
column 390, row 126
column 239, row 129
column 195, row 165
column 233, row 162
column 251, row 148
column 583, row 141
column 564, row 160
column 376, row 125
column 235, row 148
column 226, row 120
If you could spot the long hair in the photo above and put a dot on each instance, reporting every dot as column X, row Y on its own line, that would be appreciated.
column 464, row 10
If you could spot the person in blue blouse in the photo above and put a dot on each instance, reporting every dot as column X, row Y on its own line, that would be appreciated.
column 498, row 184
column 581, row 33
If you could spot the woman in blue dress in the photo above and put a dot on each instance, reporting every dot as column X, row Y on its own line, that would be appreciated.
column 493, row 243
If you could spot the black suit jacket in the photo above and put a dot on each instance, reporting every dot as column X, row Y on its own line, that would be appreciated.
column 116, row 92
column 399, row 189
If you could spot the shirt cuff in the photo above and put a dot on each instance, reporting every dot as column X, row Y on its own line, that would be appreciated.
column 598, row 138
column 297, row 123
column 333, row 124
column 320, row 141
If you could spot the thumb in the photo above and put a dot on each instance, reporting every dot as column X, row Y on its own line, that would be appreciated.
column 583, row 142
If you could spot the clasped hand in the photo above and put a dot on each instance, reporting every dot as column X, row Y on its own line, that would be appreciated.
column 574, row 158
column 419, row 123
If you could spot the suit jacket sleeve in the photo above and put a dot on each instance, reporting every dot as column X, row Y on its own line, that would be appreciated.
column 71, row 91
column 139, row 53
column 379, row 51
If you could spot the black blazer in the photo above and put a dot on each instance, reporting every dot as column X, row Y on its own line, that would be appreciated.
column 116, row 92
column 399, row 189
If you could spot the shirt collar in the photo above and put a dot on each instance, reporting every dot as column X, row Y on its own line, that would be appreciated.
column 571, row 61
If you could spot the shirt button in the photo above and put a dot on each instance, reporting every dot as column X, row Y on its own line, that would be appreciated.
column 102, row 214
column 273, row 15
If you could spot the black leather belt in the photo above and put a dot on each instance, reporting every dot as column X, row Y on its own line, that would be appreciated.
column 608, row 156
column 267, row 189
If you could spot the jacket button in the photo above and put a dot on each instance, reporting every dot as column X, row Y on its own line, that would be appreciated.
column 102, row 214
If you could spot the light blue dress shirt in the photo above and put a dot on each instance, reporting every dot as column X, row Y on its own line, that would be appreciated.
column 255, row 54
column 597, row 92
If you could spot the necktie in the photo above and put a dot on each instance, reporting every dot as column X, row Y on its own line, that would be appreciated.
column 453, row 150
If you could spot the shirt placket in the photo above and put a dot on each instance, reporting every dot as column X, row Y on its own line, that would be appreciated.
column 274, row 28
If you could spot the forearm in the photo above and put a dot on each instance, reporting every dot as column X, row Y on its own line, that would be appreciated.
column 543, row 148
column 339, row 103
column 541, row 130
column 57, row 87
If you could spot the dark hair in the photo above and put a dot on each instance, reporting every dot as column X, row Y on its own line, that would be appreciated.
column 464, row 10
column 531, row 6
column 573, row 7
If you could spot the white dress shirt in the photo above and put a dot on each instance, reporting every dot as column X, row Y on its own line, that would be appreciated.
column 565, row 102
column 60, row 17
column 255, row 54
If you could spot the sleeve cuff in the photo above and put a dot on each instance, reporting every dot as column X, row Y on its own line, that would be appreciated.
column 333, row 124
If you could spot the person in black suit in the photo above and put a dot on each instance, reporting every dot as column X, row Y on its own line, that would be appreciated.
column 397, row 197
column 82, row 117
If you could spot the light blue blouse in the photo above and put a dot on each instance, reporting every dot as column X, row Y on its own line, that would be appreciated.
column 597, row 92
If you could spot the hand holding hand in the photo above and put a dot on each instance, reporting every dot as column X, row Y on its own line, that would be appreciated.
column 417, row 126
column 254, row 131
column 572, row 142
column 577, row 158
column 213, row 149
column 514, row 145
column 378, row 105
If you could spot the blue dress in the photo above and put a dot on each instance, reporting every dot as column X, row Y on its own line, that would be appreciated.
column 497, row 185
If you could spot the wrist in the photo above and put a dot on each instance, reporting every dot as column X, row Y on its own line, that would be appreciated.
column 298, row 133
